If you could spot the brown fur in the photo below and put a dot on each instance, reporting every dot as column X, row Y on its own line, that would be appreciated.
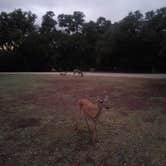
column 90, row 113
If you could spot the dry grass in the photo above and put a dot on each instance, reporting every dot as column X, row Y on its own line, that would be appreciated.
column 36, row 119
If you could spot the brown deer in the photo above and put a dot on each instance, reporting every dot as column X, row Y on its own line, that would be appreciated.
column 63, row 74
column 78, row 72
column 90, row 113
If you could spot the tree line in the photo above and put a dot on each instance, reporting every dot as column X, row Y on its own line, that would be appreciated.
column 136, row 43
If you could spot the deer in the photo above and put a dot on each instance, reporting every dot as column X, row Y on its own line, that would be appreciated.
column 79, row 72
column 63, row 74
column 90, row 112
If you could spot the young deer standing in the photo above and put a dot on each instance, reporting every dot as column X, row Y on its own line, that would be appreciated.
column 90, row 113
column 63, row 73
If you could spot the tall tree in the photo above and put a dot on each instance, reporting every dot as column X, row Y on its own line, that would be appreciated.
column 135, row 44
column 48, row 22
column 14, row 27
column 71, row 23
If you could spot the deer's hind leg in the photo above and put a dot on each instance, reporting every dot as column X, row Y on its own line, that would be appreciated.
column 78, row 119
column 87, row 125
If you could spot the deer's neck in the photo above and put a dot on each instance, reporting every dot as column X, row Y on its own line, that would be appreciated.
column 99, row 111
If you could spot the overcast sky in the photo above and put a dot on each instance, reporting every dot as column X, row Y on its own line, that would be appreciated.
column 113, row 10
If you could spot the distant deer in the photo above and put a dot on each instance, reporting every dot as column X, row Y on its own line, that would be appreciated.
column 77, row 71
column 63, row 74
column 90, row 113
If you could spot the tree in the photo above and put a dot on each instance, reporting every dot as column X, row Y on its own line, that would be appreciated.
column 78, row 20
column 14, row 27
column 48, row 23
column 134, row 44
column 103, row 24
column 71, row 23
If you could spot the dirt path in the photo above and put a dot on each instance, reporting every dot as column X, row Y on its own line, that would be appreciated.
column 130, row 75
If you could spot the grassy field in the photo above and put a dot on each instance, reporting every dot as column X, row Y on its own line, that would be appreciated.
column 37, row 112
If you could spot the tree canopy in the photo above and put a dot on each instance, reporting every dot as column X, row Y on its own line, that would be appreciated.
column 136, row 43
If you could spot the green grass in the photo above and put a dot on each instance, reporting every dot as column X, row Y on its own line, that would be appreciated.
column 37, row 112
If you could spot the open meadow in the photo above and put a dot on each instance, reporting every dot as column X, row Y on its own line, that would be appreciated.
column 37, row 121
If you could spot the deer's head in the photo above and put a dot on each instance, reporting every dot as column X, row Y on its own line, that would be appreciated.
column 103, row 102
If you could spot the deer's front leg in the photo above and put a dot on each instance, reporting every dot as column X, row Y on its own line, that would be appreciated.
column 94, row 133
